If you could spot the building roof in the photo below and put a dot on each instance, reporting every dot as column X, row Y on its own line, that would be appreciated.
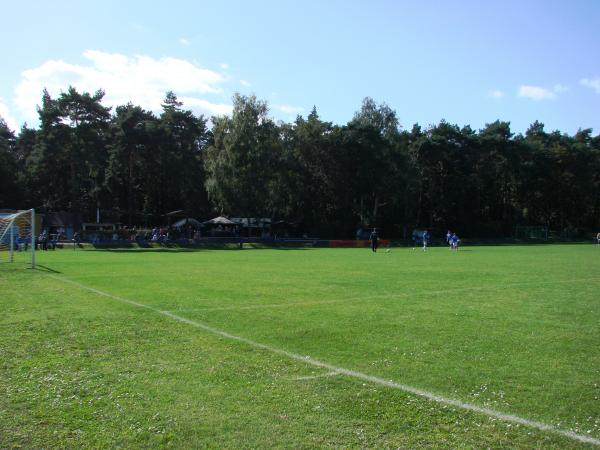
column 219, row 221
column 61, row 219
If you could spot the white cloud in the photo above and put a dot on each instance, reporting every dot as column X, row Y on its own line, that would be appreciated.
column 8, row 118
column 288, row 109
column 224, row 66
column 200, row 106
column 184, row 41
column 498, row 94
column 593, row 83
column 140, row 79
column 559, row 88
column 536, row 93
column 245, row 83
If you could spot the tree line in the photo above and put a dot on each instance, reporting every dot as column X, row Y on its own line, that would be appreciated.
column 135, row 166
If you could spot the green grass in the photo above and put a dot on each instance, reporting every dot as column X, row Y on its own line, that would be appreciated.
column 514, row 329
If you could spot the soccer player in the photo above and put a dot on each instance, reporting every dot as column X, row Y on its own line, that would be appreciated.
column 374, row 240
column 426, row 237
column 449, row 239
column 598, row 238
column 455, row 241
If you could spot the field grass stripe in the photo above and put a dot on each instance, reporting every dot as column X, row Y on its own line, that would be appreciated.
column 384, row 296
column 314, row 377
column 348, row 372
column 268, row 305
column 502, row 287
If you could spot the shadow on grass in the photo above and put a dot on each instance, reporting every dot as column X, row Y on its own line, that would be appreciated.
column 144, row 250
column 43, row 268
column 207, row 248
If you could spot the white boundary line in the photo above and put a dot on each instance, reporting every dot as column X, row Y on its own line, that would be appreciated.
column 313, row 377
column 482, row 288
column 348, row 372
column 266, row 305
column 384, row 296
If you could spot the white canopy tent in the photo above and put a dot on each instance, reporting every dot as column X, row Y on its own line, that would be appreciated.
column 219, row 221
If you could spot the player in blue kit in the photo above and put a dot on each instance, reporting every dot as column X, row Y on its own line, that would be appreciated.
column 426, row 237
column 454, row 241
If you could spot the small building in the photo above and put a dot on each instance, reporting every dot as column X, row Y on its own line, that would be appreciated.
column 253, row 226
column 97, row 232
column 62, row 223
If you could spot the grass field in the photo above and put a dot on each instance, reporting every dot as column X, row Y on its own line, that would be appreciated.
column 293, row 348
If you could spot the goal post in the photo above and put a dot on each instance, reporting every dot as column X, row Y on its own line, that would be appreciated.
column 17, row 237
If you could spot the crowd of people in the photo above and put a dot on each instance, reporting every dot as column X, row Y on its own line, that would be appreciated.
column 167, row 234
column 44, row 241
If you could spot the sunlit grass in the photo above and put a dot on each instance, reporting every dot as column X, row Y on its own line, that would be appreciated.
column 514, row 329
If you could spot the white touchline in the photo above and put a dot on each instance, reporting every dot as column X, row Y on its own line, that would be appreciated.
column 384, row 296
column 266, row 305
column 348, row 372
column 312, row 377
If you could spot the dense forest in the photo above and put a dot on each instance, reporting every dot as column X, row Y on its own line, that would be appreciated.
column 330, row 179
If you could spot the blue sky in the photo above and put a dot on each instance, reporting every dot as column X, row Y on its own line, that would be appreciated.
column 469, row 62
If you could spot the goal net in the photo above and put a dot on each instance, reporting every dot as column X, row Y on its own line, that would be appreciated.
column 17, row 238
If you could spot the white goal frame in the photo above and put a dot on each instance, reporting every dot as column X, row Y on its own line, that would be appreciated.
column 9, row 229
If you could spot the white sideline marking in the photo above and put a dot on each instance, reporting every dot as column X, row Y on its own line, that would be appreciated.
column 384, row 296
column 312, row 377
column 268, row 305
column 350, row 373
column 507, row 286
